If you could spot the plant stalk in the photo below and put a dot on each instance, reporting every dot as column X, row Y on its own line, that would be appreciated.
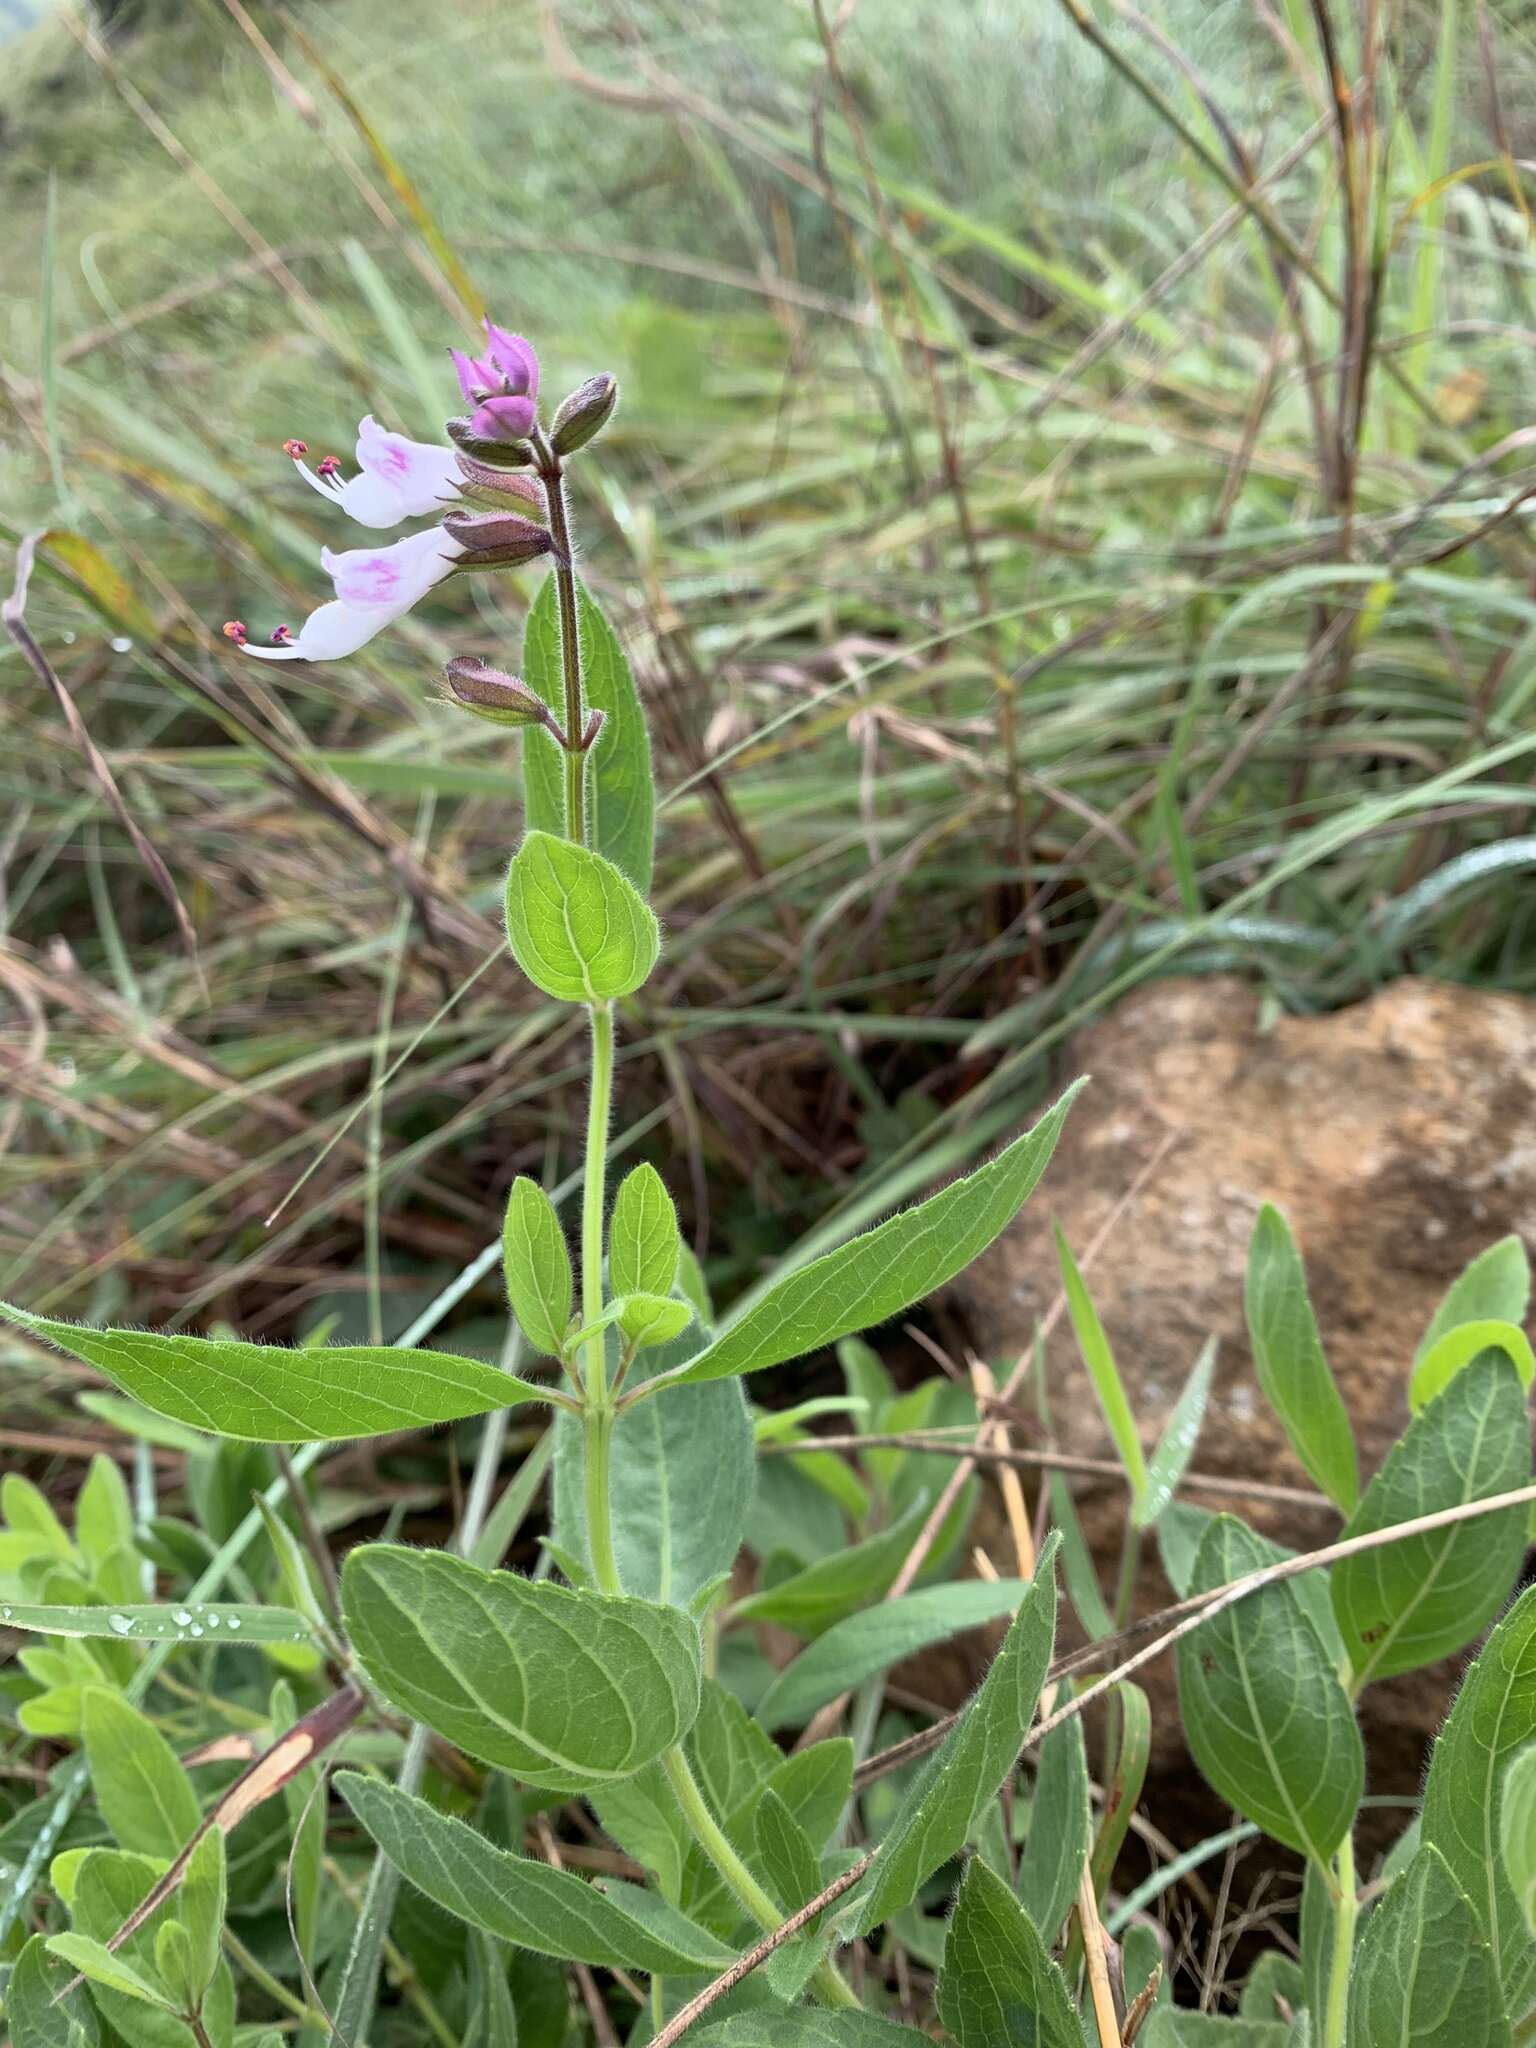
column 1345, row 1911
column 553, row 478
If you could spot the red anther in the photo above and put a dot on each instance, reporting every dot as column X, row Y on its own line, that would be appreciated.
column 234, row 629
column 328, row 465
column 295, row 448
column 281, row 635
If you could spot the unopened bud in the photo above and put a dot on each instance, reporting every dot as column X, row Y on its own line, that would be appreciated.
column 297, row 449
column 490, row 693
column 234, row 629
column 481, row 448
column 583, row 416
column 495, row 540
column 492, row 488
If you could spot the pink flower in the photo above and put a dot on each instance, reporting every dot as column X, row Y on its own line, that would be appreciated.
column 502, row 385
column 398, row 478
column 374, row 587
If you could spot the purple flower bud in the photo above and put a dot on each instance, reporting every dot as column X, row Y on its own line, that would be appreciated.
column 495, row 540
column 503, row 418
column 478, row 479
column 582, row 416
column 493, row 454
column 492, row 694
column 515, row 359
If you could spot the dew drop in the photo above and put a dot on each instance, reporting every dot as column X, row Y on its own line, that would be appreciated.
column 6, row 1613
column 234, row 1621
column 122, row 1624
column 181, row 1618
column 213, row 1619
column 121, row 643
column 196, row 1630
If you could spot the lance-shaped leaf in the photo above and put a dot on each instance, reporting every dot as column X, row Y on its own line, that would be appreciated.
column 643, row 1242
column 110, row 1888
column 1266, row 1717
column 874, row 1277
column 1407, row 1603
column 949, row 1795
column 1170, row 2028
column 553, row 1912
column 1495, row 1287
column 566, row 1690
column 174, row 1624
column 679, row 1484
column 998, row 1982
column 1093, row 1343
column 1472, row 1790
column 578, row 929
column 878, row 1637
column 806, row 2028
column 1288, row 1357
column 538, row 1267
column 98, row 1965
column 268, row 1393
column 1423, row 1975
column 1176, row 1446
column 812, row 1600
column 620, row 791
column 1060, row 1830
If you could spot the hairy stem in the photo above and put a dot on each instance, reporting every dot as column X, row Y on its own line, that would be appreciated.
column 1346, row 1910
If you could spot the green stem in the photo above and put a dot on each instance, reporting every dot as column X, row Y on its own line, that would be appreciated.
column 745, row 1889
column 570, row 652
column 597, row 1404
column 1346, row 1910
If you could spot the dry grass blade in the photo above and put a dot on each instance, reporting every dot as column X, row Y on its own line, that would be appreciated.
column 13, row 615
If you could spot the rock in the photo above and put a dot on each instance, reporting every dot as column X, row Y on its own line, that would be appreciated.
column 1399, row 1139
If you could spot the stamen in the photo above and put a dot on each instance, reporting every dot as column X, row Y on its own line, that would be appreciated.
column 234, row 629
column 281, row 635
column 328, row 466
column 296, row 449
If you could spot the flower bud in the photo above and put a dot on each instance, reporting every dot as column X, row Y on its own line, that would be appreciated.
column 492, row 488
column 582, row 416
column 490, row 693
column 495, row 454
column 495, row 540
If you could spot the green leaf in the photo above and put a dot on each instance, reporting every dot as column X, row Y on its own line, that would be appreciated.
column 553, row 1912
column 1495, row 1287
column 873, row 1640
column 267, row 1393
column 651, row 1319
column 1060, row 1831
column 946, row 1799
column 1170, row 2028
column 1170, row 1461
column 873, row 1277
column 1105, row 1374
column 805, row 2028
column 998, row 1984
column 577, row 928
column 492, row 2021
column 1471, row 1792
column 566, row 1690
column 103, row 1513
column 109, row 1884
column 35, row 2013
column 1453, row 1352
column 641, row 1814
column 172, row 1624
column 1265, row 1715
column 1407, row 1603
column 825, row 1592
column 200, row 1902
column 679, row 1487
column 815, row 1785
column 643, row 1241
column 145, row 1796
column 1422, row 1974
column 1077, row 1566
column 785, row 1858
column 174, row 1966
column 1288, row 1357
column 26, row 1511
column 1273, row 1977
column 538, row 1267
column 620, row 791
column 1125, row 1788
column 1517, row 1832
column 93, row 1960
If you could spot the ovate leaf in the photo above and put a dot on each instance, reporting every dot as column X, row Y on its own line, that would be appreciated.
column 1473, row 1801
column 874, row 1277
column 1060, row 1831
column 1288, row 1357
column 566, row 1690
column 1423, row 1975
column 267, row 1393
column 145, row 1796
column 577, row 928
column 643, row 1241
column 1170, row 2028
column 1266, row 1717
column 1407, row 1603
column 36, row 2013
column 878, row 1637
column 620, row 791
column 538, row 1267
column 553, row 1912
column 806, row 2028
column 949, row 1795
column 998, row 1983
column 648, row 1320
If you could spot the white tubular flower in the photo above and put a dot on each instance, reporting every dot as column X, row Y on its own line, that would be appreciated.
column 374, row 587
column 397, row 478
